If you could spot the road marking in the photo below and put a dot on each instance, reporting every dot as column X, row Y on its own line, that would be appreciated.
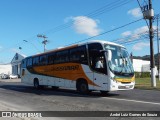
column 137, row 101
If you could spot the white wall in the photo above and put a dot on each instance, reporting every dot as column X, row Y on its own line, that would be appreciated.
column 141, row 65
column 5, row 69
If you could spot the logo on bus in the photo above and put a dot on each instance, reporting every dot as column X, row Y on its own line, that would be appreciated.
column 65, row 68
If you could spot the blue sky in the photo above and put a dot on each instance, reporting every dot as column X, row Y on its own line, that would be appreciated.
column 67, row 21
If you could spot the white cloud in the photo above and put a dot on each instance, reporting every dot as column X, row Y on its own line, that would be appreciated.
column 127, row 33
column 136, row 12
column 141, row 30
column 86, row 25
column 140, row 46
column 140, row 33
column 135, row 34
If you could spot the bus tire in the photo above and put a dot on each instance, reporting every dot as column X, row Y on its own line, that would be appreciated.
column 54, row 87
column 82, row 86
column 104, row 92
column 36, row 83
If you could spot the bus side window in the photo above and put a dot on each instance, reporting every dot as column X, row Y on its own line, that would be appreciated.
column 35, row 61
column 43, row 60
column 62, row 57
column 83, row 55
column 24, row 63
column 78, row 55
column 96, row 58
column 51, row 58
column 29, row 62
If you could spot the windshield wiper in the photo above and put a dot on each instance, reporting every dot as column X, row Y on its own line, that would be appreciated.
column 122, row 62
column 125, row 64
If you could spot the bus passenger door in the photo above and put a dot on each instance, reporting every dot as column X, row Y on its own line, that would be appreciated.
column 97, row 62
column 101, row 80
column 100, row 73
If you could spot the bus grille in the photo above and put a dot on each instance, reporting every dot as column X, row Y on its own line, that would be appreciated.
column 125, row 82
column 125, row 87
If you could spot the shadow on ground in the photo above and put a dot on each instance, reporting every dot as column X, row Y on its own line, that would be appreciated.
column 50, row 91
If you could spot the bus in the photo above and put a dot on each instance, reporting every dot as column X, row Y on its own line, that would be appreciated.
column 91, row 66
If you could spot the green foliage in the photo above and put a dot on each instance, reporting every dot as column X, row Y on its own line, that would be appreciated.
column 145, row 74
column 137, row 74
column 145, row 83
column 142, row 74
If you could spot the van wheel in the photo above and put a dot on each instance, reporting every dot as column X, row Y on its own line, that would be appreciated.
column 36, row 84
column 82, row 86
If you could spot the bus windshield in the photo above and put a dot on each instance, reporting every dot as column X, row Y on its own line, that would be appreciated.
column 119, row 60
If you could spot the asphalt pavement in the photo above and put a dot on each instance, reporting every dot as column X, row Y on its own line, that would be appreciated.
column 17, row 96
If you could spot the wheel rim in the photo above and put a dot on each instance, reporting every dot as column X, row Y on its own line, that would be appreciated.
column 83, row 87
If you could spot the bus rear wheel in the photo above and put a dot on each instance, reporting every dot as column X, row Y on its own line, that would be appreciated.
column 82, row 86
column 54, row 87
column 36, row 84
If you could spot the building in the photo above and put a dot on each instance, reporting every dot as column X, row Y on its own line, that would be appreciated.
column 5, row 69
column 141, row 65
column 16, row 63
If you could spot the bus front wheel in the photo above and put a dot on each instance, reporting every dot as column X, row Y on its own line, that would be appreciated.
column 104, row 92
column 82, row 86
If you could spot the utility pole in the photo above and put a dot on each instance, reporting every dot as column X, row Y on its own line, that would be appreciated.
column 148, row 13
column 151, row 35
column 44, row 41
column 158, row 48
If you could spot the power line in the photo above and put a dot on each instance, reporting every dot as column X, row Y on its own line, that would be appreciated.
column 102, row 9
column 142, row 12
column 95, row 13
column 138, row 41
column 129, row 37
column 106, row 8
column 98, row 12
column 127, row 40
column 114, row 6
column 107, row 31
column 135, row 41
column 99, row 34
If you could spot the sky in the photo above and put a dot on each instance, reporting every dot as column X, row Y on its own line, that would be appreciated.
column 65, row 22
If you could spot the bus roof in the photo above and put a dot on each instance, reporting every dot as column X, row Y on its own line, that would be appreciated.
column 103, row 42
column 79, row 44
